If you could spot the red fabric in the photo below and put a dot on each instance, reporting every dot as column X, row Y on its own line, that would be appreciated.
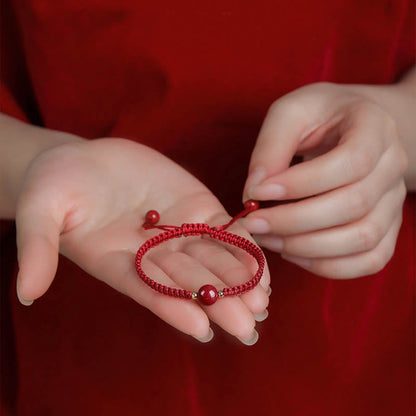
column 194, row 80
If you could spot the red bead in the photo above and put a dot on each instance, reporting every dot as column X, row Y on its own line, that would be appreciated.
column 208, row 294
column 152, row 217
column 251, row 205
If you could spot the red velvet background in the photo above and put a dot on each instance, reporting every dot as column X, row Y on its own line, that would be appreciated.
column 184, row 77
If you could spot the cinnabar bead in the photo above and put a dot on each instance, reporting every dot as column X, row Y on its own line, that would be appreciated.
column 207, row 294
column 251, row 205
column 152, row 217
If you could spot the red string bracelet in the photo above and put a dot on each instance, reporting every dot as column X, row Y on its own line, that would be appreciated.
column 207, row 294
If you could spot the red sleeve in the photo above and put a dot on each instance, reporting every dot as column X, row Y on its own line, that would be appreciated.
column 406, row 41
column 16, row 96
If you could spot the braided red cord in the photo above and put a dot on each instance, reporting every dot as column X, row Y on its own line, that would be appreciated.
column 218, row 233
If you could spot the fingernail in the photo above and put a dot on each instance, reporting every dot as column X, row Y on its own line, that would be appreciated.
column 300, row 261
column 257, row 225
column 269, row 291
column 261, row 316
column 21, row 300
column 269, row 191
column 207, row 338
column 251, row 340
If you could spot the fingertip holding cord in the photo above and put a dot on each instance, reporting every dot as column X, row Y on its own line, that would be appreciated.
column 255, row 178
column 268, row 191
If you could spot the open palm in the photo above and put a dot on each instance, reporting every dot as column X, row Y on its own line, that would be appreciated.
column 88, row 199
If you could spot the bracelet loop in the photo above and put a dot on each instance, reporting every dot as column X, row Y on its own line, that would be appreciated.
column 207, row 294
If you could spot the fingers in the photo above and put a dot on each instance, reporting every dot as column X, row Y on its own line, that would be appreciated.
column 357, row 265
column 349, row 188
column 248, row 261
column 356, row 237
column 274, row 150
column 352, row 160
column 230, row 313
column 229, row 270
column 340, row 206
column 118, row 271
column 178, row 269
column 304, row 113
column 184, row 315
column 37, row 246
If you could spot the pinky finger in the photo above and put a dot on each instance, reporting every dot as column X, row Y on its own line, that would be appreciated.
column 358, row 265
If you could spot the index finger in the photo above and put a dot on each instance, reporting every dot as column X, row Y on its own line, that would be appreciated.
column 364, row 137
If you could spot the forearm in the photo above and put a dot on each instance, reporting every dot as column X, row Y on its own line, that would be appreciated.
column 20, row 143
column 399, row 100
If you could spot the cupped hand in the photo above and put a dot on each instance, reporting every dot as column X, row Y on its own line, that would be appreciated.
column 344, row 200
column 88, row 199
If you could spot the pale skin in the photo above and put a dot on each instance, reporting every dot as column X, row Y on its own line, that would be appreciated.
column 356, row 142
column 85, row 199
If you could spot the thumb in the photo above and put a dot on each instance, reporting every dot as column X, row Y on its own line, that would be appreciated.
column 288, row 122
column 37, row 251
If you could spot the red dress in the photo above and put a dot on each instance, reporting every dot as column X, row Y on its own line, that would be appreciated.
column 184, row 77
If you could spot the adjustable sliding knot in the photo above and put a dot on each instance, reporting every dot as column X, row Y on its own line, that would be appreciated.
column 207, row 294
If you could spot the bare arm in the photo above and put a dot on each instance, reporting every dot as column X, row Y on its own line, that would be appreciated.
column 20, row 143
column 399, row 100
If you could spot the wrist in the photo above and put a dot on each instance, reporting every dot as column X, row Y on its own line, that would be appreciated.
column 20, row 144
column 399, row 101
